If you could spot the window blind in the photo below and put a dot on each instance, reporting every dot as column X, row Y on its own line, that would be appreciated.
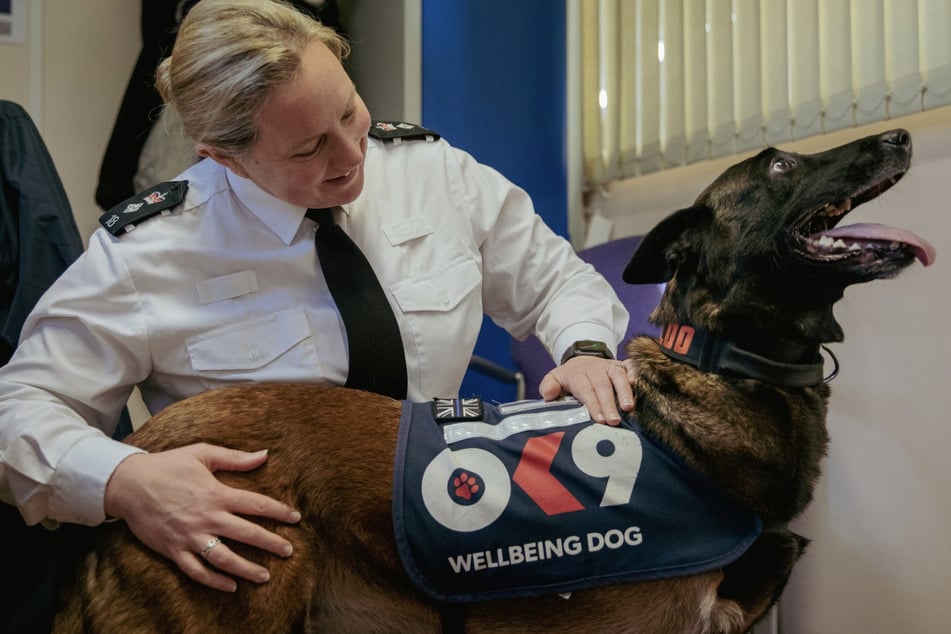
column 671, row 82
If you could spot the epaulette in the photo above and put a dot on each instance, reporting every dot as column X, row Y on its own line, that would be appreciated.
column 158, row 199
column 397, row 132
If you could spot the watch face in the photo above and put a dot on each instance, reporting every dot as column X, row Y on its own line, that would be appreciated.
column 592, row 347
column 588, row 348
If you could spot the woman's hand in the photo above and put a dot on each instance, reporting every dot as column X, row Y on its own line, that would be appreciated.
column 174, row 504
column 601, row 385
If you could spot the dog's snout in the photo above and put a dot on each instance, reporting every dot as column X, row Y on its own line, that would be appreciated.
column 897, row 137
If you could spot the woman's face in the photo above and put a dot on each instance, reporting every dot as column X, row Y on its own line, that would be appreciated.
column 311, row 137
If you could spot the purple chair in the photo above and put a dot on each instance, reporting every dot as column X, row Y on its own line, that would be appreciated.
column 609, row 259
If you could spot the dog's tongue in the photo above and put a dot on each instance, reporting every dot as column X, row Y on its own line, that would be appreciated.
column 924, row 251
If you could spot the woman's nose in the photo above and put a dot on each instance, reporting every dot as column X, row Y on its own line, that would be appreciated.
column 349, row 150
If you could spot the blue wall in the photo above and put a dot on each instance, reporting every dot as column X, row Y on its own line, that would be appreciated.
column 493, row 84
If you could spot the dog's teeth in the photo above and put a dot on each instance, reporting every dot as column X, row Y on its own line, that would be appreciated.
column 835, row 210
column 827, row 242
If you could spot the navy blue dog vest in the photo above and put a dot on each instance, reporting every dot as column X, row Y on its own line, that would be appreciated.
column 531, row 498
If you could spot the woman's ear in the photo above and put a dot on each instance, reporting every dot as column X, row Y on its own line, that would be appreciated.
column 221, row 157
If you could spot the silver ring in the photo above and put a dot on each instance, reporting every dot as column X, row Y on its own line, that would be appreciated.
column 209, row 546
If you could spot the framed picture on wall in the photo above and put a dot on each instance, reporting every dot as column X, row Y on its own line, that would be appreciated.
column 12, row 21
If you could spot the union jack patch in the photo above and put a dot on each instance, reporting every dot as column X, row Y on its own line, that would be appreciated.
column 447, row 410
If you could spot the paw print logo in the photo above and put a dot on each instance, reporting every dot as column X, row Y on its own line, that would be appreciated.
column 465, row 487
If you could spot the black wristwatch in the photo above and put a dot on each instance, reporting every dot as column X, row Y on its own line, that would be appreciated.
column 587, row 348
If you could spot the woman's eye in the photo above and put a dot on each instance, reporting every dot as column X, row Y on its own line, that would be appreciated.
column 310, row 152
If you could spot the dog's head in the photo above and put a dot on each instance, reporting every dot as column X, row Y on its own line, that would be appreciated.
column 761, row 250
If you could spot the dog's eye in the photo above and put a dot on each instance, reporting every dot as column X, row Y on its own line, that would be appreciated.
column 781, row 165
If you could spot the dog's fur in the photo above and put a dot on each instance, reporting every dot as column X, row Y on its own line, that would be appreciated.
column 736, row 263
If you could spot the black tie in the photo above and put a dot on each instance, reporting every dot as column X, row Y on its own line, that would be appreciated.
column 377, row 361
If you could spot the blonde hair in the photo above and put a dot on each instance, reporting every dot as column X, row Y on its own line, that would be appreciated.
column 229, row 56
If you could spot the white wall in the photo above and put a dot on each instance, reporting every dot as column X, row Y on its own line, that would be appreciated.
column 70, row 75
column 880, row 562
column 385, row 56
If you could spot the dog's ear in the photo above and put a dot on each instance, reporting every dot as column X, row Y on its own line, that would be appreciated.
column 655, row 260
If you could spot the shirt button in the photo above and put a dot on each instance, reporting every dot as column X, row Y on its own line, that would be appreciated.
column 444, row 297
column 254, row 354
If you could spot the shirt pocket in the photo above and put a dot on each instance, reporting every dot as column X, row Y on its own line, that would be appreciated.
column 441, row 290
column 444, row 313
column 252, row 345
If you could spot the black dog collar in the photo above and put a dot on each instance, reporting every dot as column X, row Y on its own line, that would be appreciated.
column 787, row 366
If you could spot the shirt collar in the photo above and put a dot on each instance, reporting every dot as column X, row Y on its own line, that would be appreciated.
column 281, row 217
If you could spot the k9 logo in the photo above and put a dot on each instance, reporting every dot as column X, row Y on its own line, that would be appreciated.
column 468, row 489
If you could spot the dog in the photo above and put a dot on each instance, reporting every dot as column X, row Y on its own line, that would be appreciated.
column 735, row 388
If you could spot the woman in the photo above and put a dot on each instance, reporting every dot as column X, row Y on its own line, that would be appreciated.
column 225, row 288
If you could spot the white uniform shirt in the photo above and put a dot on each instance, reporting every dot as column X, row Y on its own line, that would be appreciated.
column 227, row 289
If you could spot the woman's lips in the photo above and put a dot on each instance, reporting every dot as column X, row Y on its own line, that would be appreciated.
column 343, row 178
